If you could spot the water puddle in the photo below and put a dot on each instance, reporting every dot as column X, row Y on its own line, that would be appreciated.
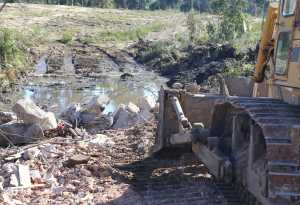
column 57, row 93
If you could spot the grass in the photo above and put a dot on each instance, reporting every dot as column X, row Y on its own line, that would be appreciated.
column 131, row 34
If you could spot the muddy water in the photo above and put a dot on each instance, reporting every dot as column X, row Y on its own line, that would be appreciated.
column 55, row 92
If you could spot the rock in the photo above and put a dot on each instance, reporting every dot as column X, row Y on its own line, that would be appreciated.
column 77, row 159
column 147, row 103
column 36, row 177
column 101, row 141
column 20, row 133
column 24, row 175
column 145, row 115
column 2, row 180
column 125, row 118
column 96, row 124
column 72, row 114
column 30, row 113
column 177, row 86
column 9, row 168
column 58, row 190
column 6, row 117
column 13, row 181
column 31, row 153
column 48, row 150
column 50, row 121
column 131, row 107
column 96, row 105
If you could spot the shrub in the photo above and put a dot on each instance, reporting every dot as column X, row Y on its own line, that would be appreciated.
column 11, row 51
column 66, row 38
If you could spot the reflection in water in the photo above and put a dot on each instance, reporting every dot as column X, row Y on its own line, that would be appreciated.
column 59, row 93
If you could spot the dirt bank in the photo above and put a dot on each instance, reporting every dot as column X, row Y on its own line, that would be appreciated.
column 192, row 64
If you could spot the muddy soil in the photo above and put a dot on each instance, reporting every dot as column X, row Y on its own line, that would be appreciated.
column 194, row 64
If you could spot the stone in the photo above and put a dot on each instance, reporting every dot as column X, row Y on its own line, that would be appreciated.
column 96, row 105
column 48, row 150
column 20, row 133
column 58, row 190
column 145, row 115
column 6, row 117
column 101, row 141
column 24, row 175
column 177, row 86
column 147, row 103
column 77, row 159
column 131, row 107
column 13, row 180
column 36, row 177
column 50, row 121
column 30, row 113
column 9, row 168
column 31, row 153
column 124, row 118
column 2, row 181
column 98, row 124
column 72, row 114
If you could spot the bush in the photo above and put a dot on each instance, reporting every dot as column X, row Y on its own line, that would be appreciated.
column 11, row 51
column 66, row 38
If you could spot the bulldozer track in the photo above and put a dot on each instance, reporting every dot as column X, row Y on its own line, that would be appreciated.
column 279, row 124
column 181, row 181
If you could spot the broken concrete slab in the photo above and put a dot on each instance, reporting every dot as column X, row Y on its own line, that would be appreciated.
column 24, row 175
column 147, row 103
column 96, row 105
column 13, row 180
column 131, row 107
column 98, row 124
column 20, row 133
column 30, row 113
column 125, row 118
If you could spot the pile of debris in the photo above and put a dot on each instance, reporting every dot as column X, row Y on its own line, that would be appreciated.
column 71, row 160
column 29, row 123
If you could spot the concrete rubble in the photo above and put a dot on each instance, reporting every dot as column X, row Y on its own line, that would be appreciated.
column 30, row 113
column 68, row 170
column 70, row 163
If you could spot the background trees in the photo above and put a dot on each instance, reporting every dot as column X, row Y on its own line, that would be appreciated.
column 213, row 6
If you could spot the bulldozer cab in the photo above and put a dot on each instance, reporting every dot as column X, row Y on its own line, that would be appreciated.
column 277, row 64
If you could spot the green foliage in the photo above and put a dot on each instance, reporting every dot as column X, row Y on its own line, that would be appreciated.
column 160, row 54
column 243, row 70
column 107, row 4
column 67, row 37
column 191, row 24
column 233, row 22
column 11, row 51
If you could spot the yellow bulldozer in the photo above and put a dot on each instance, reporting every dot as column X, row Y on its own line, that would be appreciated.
column 252, row 141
